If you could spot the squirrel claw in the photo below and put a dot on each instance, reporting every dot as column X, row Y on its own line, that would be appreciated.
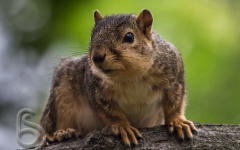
column 184, row 128
column 129, row 134
column 62, row 135
column 139, row 138
column 195, row 131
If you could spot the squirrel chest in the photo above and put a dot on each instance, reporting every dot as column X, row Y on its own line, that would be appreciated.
column 139, row 102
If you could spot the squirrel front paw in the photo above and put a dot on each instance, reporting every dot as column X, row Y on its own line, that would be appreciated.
column 183, row 127
column 128, row 133
column 62, row 135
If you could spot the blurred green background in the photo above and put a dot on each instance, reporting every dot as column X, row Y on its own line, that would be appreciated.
column 34, row 34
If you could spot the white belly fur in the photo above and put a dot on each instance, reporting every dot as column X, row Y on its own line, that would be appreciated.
column 140, row 103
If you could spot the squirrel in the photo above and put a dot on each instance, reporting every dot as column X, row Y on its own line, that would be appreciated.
column 131, row 78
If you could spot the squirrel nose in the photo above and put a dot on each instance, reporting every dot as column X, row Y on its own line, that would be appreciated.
column 98, row 57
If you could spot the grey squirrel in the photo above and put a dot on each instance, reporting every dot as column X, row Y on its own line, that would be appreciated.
column 130, row 78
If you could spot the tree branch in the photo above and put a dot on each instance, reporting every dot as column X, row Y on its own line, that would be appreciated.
column 209, row 137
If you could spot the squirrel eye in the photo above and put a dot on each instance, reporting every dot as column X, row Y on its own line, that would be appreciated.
column 129, row 38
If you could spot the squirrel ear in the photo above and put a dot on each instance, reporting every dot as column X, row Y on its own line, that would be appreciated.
column 97, row 16
column 144, row 21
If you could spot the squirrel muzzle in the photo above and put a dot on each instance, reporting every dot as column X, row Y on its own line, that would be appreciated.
column 100, row 59
column 98, row 56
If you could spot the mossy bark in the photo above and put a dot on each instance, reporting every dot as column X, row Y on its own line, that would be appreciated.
column 209, row 137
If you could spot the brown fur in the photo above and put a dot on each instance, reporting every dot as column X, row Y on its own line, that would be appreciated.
column 125, row 85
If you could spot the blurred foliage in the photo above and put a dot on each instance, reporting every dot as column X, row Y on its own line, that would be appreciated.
column 207, row 33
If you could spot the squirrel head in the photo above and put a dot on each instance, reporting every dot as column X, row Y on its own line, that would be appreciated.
column 121, row 45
